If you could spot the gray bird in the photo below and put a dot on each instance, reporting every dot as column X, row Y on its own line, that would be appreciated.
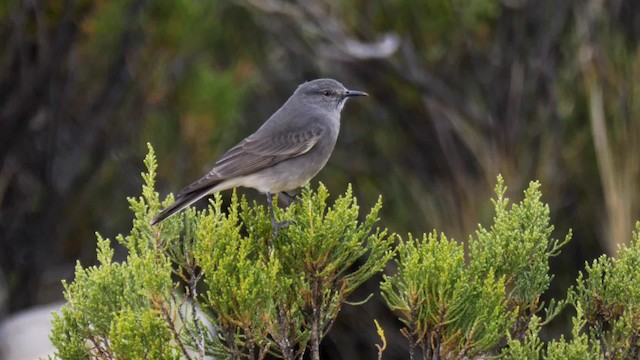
column 289, row 149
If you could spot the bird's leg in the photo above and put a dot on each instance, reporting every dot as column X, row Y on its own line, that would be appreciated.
column 276, row 225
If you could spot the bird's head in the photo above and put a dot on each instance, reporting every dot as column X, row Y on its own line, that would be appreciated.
column 327, row 94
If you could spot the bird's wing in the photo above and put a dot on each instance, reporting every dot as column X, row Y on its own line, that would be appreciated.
column 257, row 152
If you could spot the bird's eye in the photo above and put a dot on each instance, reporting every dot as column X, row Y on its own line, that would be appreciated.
column 327, row 92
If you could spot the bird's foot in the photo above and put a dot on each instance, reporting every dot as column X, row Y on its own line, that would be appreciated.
column 290, row 198
column 276, row 228
column 275, row 224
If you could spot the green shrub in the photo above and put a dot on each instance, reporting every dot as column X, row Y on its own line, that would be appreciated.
column 209, row 283
column 452, row 309
column 609, row 296
column 213, row 282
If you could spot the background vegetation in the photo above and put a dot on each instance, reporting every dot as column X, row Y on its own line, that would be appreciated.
column 460, row 92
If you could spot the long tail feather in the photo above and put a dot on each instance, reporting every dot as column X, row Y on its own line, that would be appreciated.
column 180, row 203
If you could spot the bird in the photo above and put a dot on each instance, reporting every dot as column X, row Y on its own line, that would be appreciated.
column 285, row 153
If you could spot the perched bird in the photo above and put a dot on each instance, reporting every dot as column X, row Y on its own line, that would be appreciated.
column 289, row 149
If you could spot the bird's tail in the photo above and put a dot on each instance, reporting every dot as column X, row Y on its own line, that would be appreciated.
column 180, row 203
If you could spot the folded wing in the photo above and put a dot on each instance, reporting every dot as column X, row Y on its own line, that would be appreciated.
column 257, row 152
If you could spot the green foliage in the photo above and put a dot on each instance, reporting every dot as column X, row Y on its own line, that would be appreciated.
column 609, row 293
column 607, row 320
column 281, row 296
column 259, row 297
column 518, row 246
column 530, row 348
column 447, row 309
column 110, row 304
column 241, row 285
column 286, row 295
column 319, row 253
column 454, row 309
column 578, row 348
column 311, row 249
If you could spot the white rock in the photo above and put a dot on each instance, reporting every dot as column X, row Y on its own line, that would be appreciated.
column 25, row 335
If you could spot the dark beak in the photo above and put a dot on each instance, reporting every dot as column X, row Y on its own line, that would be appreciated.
column 351, row 93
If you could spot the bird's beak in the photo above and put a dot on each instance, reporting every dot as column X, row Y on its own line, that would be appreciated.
column 351, row 93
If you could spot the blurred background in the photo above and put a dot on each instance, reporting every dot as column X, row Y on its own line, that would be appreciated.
column 461, row 91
